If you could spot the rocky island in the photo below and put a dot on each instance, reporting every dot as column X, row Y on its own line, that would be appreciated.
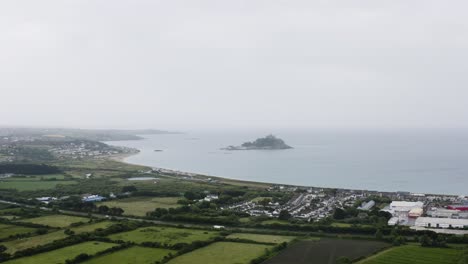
column 269, row 142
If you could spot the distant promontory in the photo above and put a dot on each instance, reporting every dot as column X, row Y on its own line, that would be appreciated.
column 269, row 142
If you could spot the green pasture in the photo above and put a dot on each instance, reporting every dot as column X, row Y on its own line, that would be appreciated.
column 262, row 238
column 132, row 255
column 56, row 220
column 223, row 252
column 59, row 256
column 165, row 235
column 139, row 206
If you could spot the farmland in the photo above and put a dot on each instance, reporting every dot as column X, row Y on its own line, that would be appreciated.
column 56, row 220
column 415, row 255
column 30, row 242
column 326, row 251
column 222, row 252
column 139, row 206
column 11, row 230
column 25, row 185
column 61, row 255
column 24, row 243
column 165, row 235
column 91, row 227
column 132, row 255
column 262, row 238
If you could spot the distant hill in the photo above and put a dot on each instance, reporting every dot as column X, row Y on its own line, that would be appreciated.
column 88, row 134
column 269, row 142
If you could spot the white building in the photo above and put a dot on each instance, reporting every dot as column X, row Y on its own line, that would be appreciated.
column 402, row 206
column 441, row 222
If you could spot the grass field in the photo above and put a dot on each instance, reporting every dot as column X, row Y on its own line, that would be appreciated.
column 29, row 242
column 415, row 254
column 32, row 185
column 25, row 243
column 326, row 251
column 91, row 227
column 262, row 238
column 139, row 206
column 167, row 235
column 11, row 230
column 62, row 254
column 132, row 255
column 222, row 252
column 56, row 220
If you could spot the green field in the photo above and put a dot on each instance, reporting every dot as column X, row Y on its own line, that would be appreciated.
column 415, row 255
column 139, row 206
column 56, row 220
column 222, row 252
column 132, row 255
column 262, row 238
column 62, row 254
column 11, row 230
column 91, row 227
column 24, row 243
column 166, row 235
column 24, row 185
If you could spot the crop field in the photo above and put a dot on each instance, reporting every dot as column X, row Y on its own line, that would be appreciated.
column 56, row 220
column 11, row 230
column 139, row 206
column 132, row 255
column 166, row 235
column 29, row 242
column 415, row 254
column 62, row 254
column 262, row 238
column 91, row 227
column 325, row 251
column 223, row 252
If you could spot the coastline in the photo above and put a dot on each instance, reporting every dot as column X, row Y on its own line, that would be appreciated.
column 197, row 176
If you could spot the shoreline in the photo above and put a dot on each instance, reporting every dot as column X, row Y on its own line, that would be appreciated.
column 122, row 158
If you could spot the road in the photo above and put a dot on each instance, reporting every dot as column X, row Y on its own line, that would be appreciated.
column 156, row 222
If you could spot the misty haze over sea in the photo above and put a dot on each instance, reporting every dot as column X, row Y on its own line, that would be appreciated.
column 416, row 161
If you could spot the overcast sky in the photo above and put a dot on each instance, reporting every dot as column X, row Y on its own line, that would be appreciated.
column 234, row 64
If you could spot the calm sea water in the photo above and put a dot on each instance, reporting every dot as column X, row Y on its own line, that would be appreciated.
column 385, row 161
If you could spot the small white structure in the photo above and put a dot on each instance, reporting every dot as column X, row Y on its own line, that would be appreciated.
column 441, row 222
column 367, row 206
column 393, row 221
column 218, row 227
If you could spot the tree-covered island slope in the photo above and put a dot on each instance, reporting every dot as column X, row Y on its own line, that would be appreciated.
column 269, row 142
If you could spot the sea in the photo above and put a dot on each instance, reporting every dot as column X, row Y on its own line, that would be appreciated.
column 433, row 162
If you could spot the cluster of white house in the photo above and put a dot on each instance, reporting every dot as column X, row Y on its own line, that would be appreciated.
column 410, row 214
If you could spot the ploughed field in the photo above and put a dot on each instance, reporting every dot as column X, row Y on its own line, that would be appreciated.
column 415, row 254
column 326, row 251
